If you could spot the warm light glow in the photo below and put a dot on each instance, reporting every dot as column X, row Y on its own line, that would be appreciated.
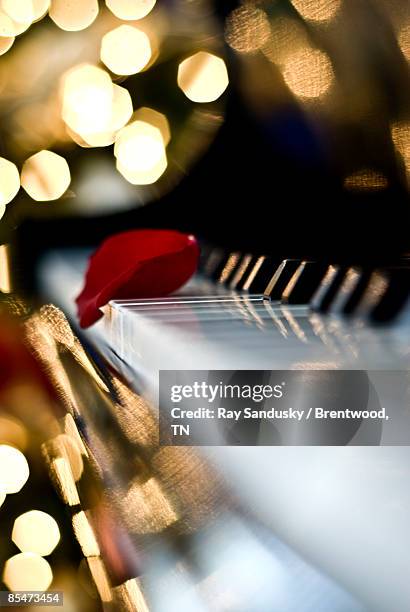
column 288, row 36
column 203, row 77
column 317, row 10
column 140, row 152
column 27, row 572
column 57, row 324
column 247, row 29
column 14, row 470
column 100, row 578
column 400, row 133
column 13, row 432
column 130, row 9
column 85, row 535
column 366, row 180
column 9, row 181
column 2, row 497
column 21, row 11
column 6, row 42
column 404, row 41
column 63, row 477
column 73, row 15
column 40, row 8
column 45, row 176
column 125, row 50
column 155, row 118
column 308, row 73
column 9, row 27
column 36, row 532
column 67, row 448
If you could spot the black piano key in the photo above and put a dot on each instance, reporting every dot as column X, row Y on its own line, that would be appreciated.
column 351, row 290
column 229, row 268
column 280, row 278
column 386, row 294
column 261, row 274
column 328, row 288
column 304, row 282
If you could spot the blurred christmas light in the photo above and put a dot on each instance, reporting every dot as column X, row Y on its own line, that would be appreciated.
column 9, row 181
column 87, row 99
column 140, row 152
column 9, row 27
column 130, row 9
column 45, row 176
column 288, row 36
column 2, row 497
column 317, row 10
column 125, row 50
column 308, row 73
column 36, row 532
column 203, row 77
column 27, row 572
column 247, row 29
column 66, row 447
column 366, row 180
column 40, row 8
column 14, row 470
column 21, row 11
column 155, row 118
column 6, row 42
column 73, row 15
column 404, row 41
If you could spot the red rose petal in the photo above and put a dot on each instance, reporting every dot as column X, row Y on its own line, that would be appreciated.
column 136, row 264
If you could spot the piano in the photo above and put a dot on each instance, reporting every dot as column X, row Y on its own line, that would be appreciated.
column 286, row 527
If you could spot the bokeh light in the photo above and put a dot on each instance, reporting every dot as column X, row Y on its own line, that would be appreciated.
column 203, row 77
column 14, row 470
column 130, row 9
column 9, row 27
column 21, row 11
column 45, row 176
column 40, row 8
column 317, row 10
column 366, row 179
column 85, row 535
column 6, row 42
column 155, row 118
column 247, row 29
column 140, row 152
column 9, row 181
column 308, row 73
column 13, row 432
column 27, row 572
column 73, row 15
column 125, row 50
column 87, row 99
column 36, row 532
column 288, row 36
column 404, row 41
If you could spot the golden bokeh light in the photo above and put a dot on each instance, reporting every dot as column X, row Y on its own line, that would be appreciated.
column 247, row 29
column 64, row 446
column 2, row 497
column 308, row 73
column 85, row 535
column 9, row 181
column 317, row 10
column 9, row 27
column 155, row 118
column 87, row 99
column 366, row 179
column 27, row 572
column 73, row 15
column 404, row 41
column 6, row 42
column 125, row 50
column 40, row 8
column 21, row 11
column 45, row 176
column 13, row 432
column 14, row 470
column 400, row 133
column 288, row 36
column 130, row 9
column 140, row 152
column 36, row 532
column 203, row 77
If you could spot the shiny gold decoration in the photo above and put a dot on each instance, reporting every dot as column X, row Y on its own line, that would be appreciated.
column 317, row 10
column 203, row 77
column 247, row 29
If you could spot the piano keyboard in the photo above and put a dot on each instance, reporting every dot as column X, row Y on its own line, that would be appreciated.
column 253, row 312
